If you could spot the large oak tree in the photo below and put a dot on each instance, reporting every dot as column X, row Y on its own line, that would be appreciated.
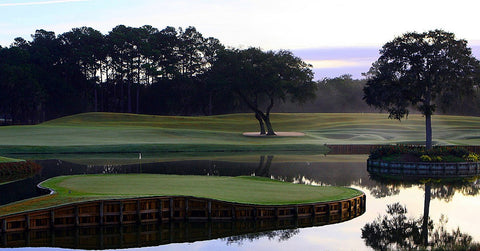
column 260, row 79
column 422, row 70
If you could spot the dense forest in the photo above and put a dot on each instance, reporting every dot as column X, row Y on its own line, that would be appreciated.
column 140, row 70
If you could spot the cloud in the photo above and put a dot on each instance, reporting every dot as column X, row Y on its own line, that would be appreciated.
column 320, row 64
column 335, row 61
column 40, row 3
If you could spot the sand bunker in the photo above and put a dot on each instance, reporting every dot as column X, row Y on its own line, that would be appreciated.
column 279, row 134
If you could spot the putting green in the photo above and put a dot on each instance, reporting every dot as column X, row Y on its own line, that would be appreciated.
column 243, row 189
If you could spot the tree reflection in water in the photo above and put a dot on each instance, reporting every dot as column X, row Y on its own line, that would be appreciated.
column 395, row 231
column 282, row 235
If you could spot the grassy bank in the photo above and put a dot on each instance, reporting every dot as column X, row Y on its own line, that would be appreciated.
column 112, row 132
column 251, row 190
column 9, row 160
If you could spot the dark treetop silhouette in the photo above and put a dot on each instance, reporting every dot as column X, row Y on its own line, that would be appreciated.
column 260, row 78
column 424, row 70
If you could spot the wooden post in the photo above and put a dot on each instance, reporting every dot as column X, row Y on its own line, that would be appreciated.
column 4, row 239
column 295, row 213
column 160, row 213
column 76, row 216
column 139, row 216
column 186, row 208
column 171, row 208
column 364, row 203
column 101, row 237
column 27, row 239
column 209, row 208
column 276, row 213
column 4, row 225
column 350, row 208
column 328, row 212
column 52, row 219
column 27, row 222
column 77, row 238
column 120, row 213
column 53, row 240
column 234, row 213
column 100, row 212
column 355, row 206
column 313, row 211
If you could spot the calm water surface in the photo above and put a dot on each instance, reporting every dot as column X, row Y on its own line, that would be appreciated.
column 452, row 203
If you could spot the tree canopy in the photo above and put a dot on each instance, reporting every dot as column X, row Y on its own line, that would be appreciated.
column 424, row 70
column 260, row 79
column 130, row 69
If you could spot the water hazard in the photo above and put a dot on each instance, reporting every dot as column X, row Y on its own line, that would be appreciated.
column 431, row 207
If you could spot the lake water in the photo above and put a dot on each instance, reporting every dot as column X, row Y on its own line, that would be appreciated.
column 450, row 204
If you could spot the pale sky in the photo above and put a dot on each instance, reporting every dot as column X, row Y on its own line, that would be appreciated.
column 335, row 36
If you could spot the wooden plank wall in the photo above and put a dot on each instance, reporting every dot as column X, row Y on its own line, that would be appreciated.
column 365, row 148
column 160, row 209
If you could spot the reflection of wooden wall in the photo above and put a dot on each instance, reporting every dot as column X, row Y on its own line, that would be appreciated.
column 154, row 234
column 159, row 209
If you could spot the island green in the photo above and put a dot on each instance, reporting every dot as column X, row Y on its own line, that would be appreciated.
column 242, row 189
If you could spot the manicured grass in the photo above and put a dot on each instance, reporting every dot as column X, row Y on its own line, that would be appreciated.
column 243, row 189
column 7, row 160
column 114, row 132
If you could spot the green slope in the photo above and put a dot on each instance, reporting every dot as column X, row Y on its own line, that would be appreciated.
column 114, row 132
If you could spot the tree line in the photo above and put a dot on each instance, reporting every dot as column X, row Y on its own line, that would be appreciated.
column 172, row 71
column 134, row 70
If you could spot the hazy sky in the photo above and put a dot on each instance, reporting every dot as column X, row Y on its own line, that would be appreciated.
column 335, row 36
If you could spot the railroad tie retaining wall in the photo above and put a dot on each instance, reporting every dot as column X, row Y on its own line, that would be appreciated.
column 366, row 148
column 434, row 169
column 160, row 209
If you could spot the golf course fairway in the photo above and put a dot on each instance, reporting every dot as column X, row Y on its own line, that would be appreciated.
column 121, row 133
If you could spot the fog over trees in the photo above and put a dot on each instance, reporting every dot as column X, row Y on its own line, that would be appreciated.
column 150, row 71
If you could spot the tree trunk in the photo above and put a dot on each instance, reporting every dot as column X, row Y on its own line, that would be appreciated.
column 428, row 111
column 266, row 118
column 122, row 96
column 263, row 169
column 260, row 122
column 138, row 99
column 210, row 104
column 426, row 210
column 270, row 131
column 129, row 98
column 96, row 98
column 428, row 131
